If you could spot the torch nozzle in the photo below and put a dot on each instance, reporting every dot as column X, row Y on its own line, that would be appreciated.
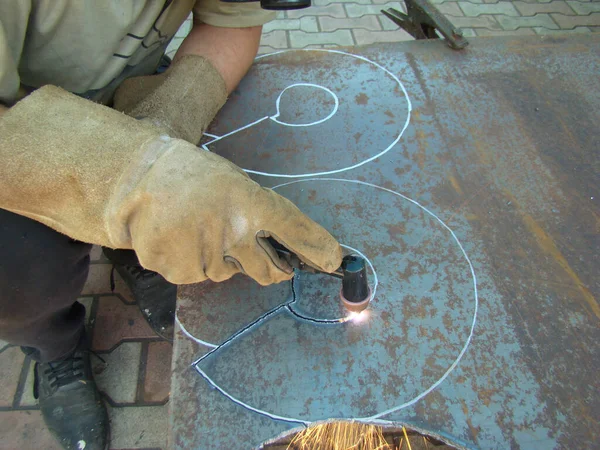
column 355, row 293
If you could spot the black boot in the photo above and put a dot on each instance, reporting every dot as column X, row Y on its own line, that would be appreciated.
column 155, row 296
column 70, row 402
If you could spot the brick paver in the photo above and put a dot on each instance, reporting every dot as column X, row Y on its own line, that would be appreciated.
column 530, row 9
column 11, row 361
column 570, row 22
column 135, row 378
column 475, row 17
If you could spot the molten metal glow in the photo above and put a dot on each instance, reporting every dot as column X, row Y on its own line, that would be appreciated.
column 358, row 317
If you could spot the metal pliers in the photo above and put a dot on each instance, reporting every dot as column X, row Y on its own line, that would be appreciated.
column 424, row 21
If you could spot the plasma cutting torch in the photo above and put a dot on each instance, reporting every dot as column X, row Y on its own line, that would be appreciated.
column 355, row 292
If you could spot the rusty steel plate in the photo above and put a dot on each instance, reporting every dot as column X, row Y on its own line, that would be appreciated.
column 469, row 180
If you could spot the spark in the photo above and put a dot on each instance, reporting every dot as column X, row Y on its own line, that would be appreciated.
column 356, row 317
column 340, row 436
column 406, row 436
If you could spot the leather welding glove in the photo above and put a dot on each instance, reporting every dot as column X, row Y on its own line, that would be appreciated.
column 102, row 177
column 181, row 101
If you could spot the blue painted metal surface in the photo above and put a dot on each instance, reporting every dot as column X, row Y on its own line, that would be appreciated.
column 503, row 147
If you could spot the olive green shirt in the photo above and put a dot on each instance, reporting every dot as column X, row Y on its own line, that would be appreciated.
column 84, row 46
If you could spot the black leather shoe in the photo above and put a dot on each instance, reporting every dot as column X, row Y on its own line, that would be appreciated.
column 70, row 402
column 155, row 296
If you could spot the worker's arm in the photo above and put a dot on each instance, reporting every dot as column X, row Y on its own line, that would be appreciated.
column 208, row 66
column 230, row 50
column 101, row 177
column 3, row 109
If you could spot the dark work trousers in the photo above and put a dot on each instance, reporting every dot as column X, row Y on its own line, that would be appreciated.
column 42, row 273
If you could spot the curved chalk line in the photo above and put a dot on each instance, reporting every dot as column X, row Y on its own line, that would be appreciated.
column 375, row 417
column 331, row 114
column 328, row 172
column 191, row 336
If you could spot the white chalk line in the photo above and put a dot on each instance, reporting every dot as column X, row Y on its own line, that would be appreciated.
column 344, row 169
column 331, row 114
column 233, row 132
column 375, row 417
column 245, row 405
column 277, row 114
column 191, row 336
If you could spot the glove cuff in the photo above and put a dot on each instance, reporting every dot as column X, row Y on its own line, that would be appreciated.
column 183, row 100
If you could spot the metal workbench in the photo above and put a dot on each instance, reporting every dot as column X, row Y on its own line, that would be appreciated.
column 470, row 180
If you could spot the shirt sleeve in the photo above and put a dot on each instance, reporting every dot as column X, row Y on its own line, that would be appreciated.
column 14, row 16
column 231, row 15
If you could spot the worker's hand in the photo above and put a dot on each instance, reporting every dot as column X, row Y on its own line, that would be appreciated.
column 180, row 102
column 202, row 217
column 99, row 176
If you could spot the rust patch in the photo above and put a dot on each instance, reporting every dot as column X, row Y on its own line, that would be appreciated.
column 361, row 99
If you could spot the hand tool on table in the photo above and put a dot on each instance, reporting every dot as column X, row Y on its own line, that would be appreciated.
column 355, row 292
column 424, row 21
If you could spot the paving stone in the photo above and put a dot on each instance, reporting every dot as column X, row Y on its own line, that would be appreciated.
column 138, row 427
column 27, row 398
column 364, row 37
column 98, row 282
column 308, row 24
column 482, row 21
column 275, row 39
column 97, row 255
column 364, row 22
column 116, row 321
column 473, row 10
column 539, row 30
column 25, row 430
column 468, row 32
column 300, row 39
column 438, row 2
column 539, row 20
column 517, row 32
column 158, row 372
column 531, row 9
column 569, row 22
column 584, row 8
column 451, row 9
column 11, row 361
column 333, row 10
column 266, row 49
column 118, row 377
column 386, row 3
column 356, row 10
